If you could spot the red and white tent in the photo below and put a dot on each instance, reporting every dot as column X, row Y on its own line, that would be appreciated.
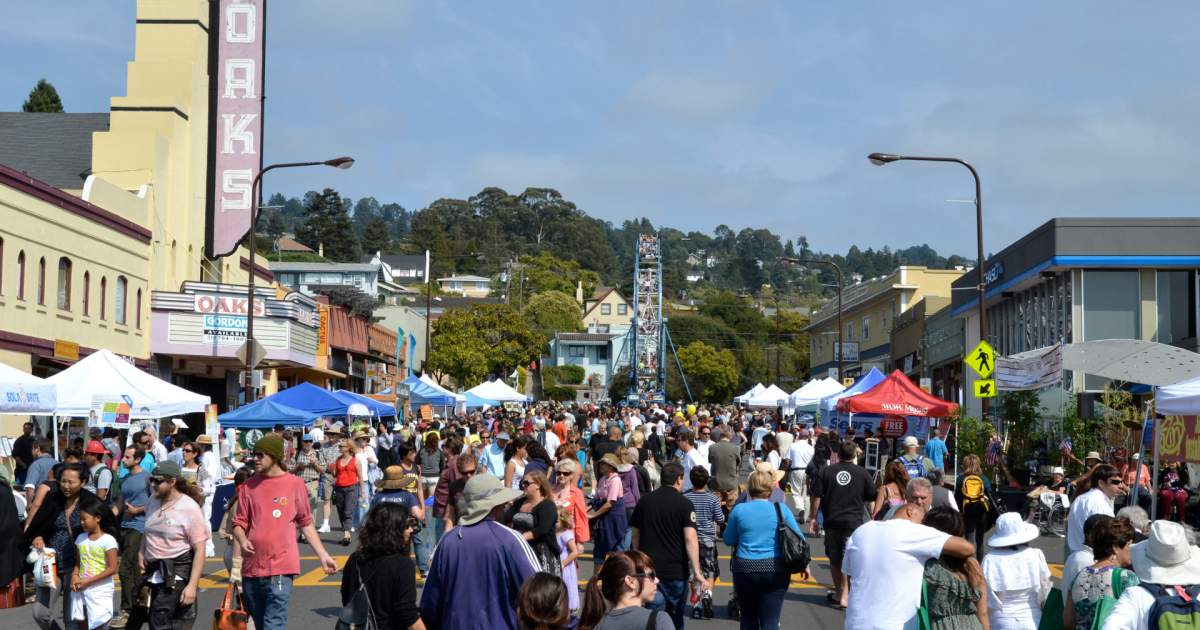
column 896, row 395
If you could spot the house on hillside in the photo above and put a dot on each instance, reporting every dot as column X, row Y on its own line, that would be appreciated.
column 406, row 270
column 595, row 353
column 607, row 312
column 288, row 245
column 466, row 285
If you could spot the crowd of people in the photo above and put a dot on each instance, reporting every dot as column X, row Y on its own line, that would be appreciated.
column 494, row 511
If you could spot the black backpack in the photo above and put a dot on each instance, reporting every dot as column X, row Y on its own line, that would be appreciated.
column 357, row 613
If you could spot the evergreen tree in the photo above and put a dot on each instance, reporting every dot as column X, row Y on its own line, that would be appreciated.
column 327, row 224
column 275, row 225
column 375, row 237
column 43, row 98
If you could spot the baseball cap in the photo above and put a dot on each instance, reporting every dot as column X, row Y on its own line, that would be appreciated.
column 95, row 448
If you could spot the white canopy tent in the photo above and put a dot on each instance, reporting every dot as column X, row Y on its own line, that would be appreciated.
column 751, row 393
column 813, row 391
column 1180, row 399
column 772, row 396
column 103, row 373
column 498, row 391
column 22, row 393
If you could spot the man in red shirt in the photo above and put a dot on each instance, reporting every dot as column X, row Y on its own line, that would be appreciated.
column 270, row 506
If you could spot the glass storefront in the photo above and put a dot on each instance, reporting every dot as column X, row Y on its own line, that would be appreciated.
column 1176, row 294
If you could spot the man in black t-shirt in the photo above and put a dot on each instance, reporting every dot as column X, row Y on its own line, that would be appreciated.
column 842, row 491
column 664, row 528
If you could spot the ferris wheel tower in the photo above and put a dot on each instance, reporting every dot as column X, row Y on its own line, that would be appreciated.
column 648, row 381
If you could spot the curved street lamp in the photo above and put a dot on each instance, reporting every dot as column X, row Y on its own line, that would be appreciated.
column 881, row 159
column 341, row 163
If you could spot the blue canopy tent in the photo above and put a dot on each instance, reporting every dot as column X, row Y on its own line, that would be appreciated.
column 828, row 406
column 422, row 393
column 310, row 398
column 265, row 414
column 377, row 409
column 476, row 402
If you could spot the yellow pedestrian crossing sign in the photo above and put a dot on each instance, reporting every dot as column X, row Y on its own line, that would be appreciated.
column 983, row 360
column 985, row 389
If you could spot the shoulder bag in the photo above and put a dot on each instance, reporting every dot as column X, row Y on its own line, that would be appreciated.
column 357, row 612
column 791, row 548
column 231, row 615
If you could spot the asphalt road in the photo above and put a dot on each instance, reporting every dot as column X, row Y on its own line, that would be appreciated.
column 316, row 602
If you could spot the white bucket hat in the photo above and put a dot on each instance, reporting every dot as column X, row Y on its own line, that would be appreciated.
column 1165, row 557
column 1011, row 530
column 481, row 494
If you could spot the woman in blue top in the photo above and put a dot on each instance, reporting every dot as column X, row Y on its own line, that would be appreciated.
column 759, row 581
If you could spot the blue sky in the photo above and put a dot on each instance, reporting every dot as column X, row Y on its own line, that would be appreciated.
column 699, row 113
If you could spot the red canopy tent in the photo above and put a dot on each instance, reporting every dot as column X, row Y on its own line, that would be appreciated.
column 896, row 395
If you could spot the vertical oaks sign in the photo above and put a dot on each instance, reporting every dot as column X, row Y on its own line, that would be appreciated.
column 235, row 105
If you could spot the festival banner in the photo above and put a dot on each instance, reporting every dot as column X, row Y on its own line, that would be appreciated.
column 1178, row 439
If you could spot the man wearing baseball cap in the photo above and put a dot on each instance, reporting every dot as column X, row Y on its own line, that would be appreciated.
column 915, row 464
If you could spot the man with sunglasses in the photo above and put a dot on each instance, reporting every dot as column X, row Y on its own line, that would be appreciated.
column 271, row 505
column 1106, row 483
column 467, row 467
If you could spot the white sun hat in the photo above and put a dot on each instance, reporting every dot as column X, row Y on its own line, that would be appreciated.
column 1165, row 557
column 1011, row 530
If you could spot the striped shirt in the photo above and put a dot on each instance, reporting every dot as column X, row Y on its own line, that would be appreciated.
column 708, row 515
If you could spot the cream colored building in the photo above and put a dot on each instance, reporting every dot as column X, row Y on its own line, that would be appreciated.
column 607, row 312
column 89, row 253
column 869, row 311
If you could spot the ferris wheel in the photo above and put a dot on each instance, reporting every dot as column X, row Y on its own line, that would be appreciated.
column 648, row 381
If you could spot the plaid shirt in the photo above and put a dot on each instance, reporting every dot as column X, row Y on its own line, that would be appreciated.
column 307, row 473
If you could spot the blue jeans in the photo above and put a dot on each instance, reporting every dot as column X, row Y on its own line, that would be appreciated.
column 427, row 539
column 761, row 598
column 267, row 599
column 672, row 597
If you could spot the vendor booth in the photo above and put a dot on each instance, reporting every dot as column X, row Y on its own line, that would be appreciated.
column 827, row 408
column 751, row 393
column 377, row 409
column 498, row 391
column 896, row 407
column 807, row 398
column 110, row 392
column 22, row 393
column 770, row 397
column 265, row 414
column 423, row 391
column 311, row 399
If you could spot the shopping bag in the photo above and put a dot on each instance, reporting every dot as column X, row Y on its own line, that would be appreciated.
column 231, row 615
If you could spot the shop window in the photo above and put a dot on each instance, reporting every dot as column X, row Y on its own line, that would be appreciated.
column 1111, row 310
column 21, row 275
column 103, row 297
column 64, row 283
column 606, row 309
column 1176, row 293
column 87, row 290
column 137, row 311
column 41, row 281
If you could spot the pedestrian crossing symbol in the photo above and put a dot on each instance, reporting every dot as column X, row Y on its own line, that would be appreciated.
column 983, row 360
column 985, row 389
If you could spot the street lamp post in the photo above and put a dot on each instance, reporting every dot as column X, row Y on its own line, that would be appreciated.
column 880, row 159
column 341, row 163
column 841, row 350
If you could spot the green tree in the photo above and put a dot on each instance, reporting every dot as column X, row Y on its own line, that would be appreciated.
column 326, row 224
column 43, row 98
column 487, row 339
column 274, row 225
column 547, row 272
column 552, row 311
column 571, row 374
column 375, row 238
column 712, row 374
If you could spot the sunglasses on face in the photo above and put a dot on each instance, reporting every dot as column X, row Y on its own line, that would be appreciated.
column 563, row 473
column 189, row 450
column 154, row 481
column 1116, row 481
column 468, row 473
column 645, row 574
column 525, row 484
